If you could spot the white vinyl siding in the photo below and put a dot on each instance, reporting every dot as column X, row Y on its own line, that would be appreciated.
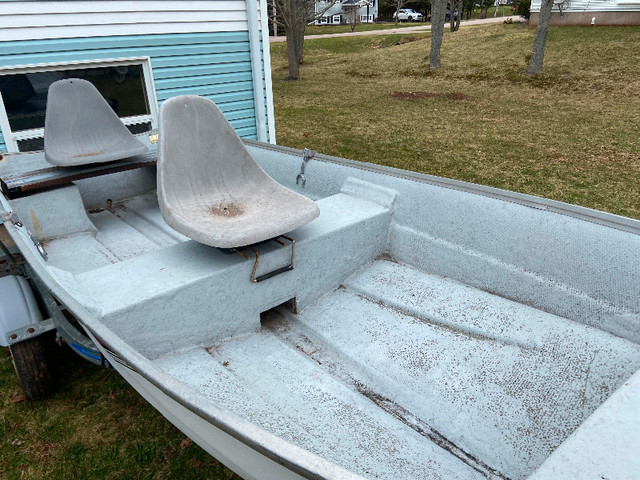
column 581, row 6
column 22, row 20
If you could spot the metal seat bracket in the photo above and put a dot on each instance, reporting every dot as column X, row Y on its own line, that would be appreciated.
column 273, row 273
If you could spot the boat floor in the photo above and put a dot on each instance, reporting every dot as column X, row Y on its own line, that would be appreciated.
column 403, row 374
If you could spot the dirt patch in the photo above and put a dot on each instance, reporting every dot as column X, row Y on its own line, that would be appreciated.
column 409, row 39
column 224, row 209
column 419, row 95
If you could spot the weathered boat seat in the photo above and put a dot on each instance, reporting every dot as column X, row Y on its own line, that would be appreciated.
column 211, row 189
column 81, row 128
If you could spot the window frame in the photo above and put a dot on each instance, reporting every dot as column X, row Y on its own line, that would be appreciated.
column 11, row 138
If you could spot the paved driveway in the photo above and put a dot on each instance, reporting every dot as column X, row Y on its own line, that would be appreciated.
column 419, row 28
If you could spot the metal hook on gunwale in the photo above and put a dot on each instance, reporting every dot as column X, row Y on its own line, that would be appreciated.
column 307, row 155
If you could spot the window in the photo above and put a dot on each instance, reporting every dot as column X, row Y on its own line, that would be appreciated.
column 126, row 84
column 336, row 18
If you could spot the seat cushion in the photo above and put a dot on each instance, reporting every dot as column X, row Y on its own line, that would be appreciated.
column 211, row 189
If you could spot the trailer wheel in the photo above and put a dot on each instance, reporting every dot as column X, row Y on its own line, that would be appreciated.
column 31, row 361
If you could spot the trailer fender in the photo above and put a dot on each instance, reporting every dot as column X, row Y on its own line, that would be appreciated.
column 19, row 310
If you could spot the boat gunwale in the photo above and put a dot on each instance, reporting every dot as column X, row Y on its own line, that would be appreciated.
column 598, row 217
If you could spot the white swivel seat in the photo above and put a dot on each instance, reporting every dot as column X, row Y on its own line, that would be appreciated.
column 211, row 189
column 81, row 128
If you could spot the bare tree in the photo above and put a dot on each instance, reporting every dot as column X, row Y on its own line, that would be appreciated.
column 351, row 10
column 456, row 13
column 293, row 16
column 484, row 7
column 438, row 13
column 540, row 40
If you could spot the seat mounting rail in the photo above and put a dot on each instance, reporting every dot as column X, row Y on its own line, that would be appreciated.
column 275, row 272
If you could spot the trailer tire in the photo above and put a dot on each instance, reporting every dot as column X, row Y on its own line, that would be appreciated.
column 31, row 361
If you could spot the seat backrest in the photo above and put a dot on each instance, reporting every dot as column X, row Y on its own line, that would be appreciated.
column 209, row 186
column 198, row 149
column 81, row 128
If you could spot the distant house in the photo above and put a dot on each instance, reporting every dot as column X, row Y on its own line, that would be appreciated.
column 588, row 12
column 340, row 12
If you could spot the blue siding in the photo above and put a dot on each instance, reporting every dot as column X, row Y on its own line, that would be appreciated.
column 214, row 65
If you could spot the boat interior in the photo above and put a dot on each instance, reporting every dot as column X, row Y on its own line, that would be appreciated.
column 414, row 329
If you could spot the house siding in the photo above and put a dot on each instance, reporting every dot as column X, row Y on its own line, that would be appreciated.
column 28, row 20
column 581, row 12
column 593, row 6
column 212, row 59
column 338, row 9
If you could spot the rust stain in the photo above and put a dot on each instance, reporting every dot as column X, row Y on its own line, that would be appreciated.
column 226, row 209
column 36, row 224
column 88, row 154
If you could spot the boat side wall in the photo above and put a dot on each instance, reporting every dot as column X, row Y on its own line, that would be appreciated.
column 195, row 47
column 571, row 261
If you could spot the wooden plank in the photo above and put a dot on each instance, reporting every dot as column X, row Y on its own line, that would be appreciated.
column 21, row 182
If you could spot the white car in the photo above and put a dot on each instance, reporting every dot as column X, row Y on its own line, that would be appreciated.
column 407, row 14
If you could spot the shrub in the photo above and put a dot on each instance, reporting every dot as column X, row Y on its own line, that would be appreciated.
column 523, row 8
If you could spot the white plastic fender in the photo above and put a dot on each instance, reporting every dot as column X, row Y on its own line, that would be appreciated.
column 18, row 307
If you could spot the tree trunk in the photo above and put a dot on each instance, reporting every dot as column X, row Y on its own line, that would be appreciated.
column 294, row 30
column 540, row 40
column 454, row 22
column 354, row 18
column 458, row 17
column 274, row 13
column 438, row 13
column 299, row 42
column 292, row 56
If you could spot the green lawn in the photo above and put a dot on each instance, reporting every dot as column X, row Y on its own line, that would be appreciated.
column 503, row 11
column 572, row 133
column 95, row 427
